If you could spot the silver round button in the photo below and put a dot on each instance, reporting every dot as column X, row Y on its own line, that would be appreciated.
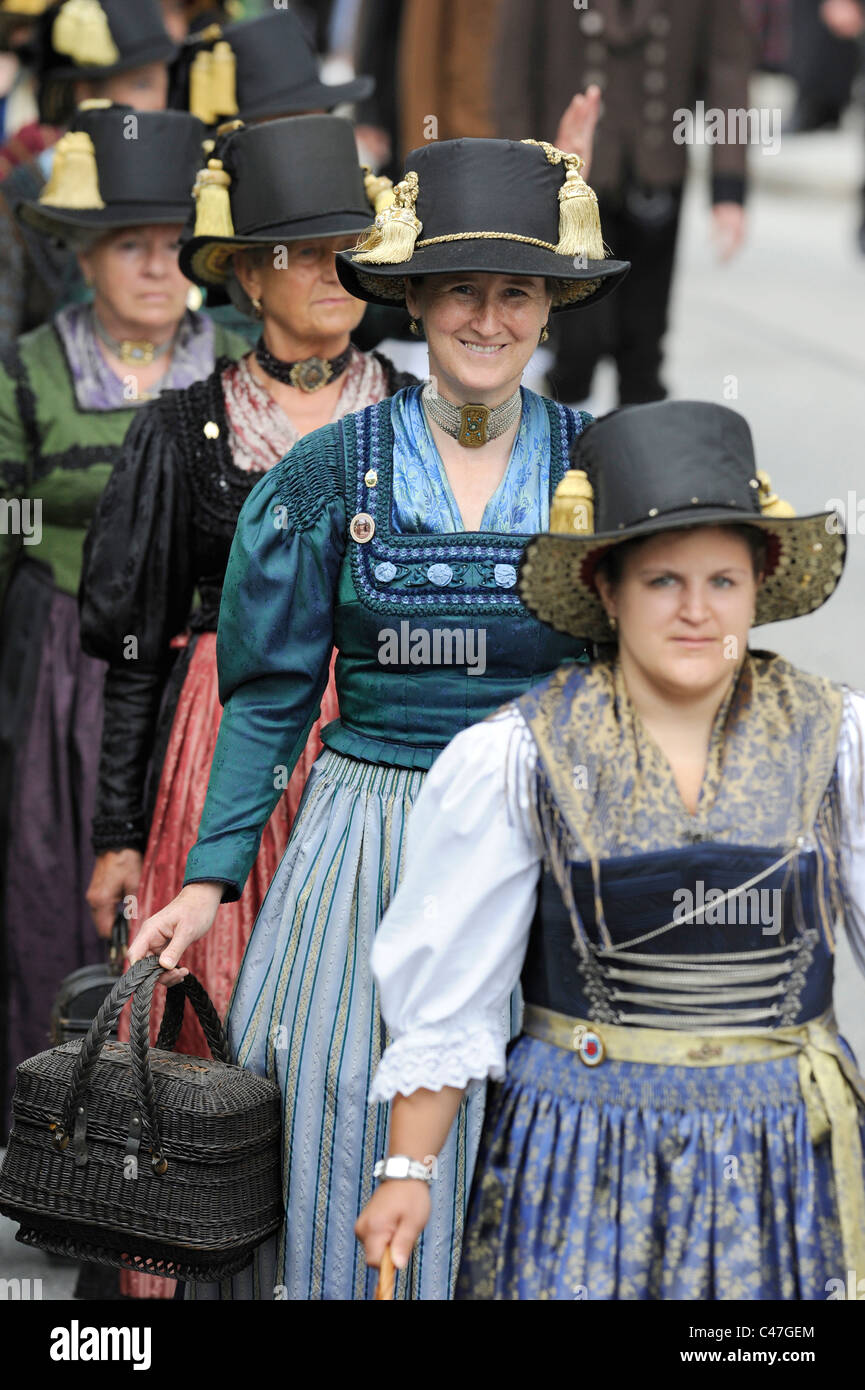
column 592, row 22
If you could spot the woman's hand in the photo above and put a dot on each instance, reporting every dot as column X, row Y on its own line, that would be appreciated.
column 167, row 933
column 576, row 132
column 116, row 875
column 395, row 1215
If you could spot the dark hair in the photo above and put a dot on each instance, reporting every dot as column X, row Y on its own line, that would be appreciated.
column 612, row 563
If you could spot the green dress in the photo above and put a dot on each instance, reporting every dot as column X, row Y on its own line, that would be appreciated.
column 55, row 459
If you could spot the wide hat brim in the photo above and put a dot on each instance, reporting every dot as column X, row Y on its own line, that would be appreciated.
column 60, row 222
column 805, row 562
column 312, row 96
column 206, row 260
column 575, row 287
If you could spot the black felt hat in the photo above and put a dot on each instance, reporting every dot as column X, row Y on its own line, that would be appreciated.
column 513, row 207
column 670, row 466
column 116, row 167
column 274, row 72
column 85, row 40
column 288, row 180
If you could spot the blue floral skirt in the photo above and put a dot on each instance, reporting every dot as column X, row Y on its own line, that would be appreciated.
column 638, row 1181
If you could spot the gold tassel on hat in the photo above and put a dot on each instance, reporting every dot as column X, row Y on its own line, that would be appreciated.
column 81, row 31
column 573, row 510
column 201, row 87
column 213, row 83
column 223, row 77
column 379, row 189
column 74, row 181
column 28, row 7
column 395, row 230
column 770, row 503
column 579, row 219
column 213, row 206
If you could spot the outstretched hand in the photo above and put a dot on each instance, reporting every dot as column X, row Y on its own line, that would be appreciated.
column 576, row 132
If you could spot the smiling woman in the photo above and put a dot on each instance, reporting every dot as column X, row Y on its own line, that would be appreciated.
column 415, row 508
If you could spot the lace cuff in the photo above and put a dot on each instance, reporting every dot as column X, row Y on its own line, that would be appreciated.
column 451, row 1053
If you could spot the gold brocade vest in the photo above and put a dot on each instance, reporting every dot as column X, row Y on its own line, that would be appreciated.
column 771, row 758
column 655, row 900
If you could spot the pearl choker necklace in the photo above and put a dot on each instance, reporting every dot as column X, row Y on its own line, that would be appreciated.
column 471, row 425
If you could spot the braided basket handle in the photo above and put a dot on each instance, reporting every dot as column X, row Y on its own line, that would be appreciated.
column 97, row 1036
column 175, row 1005
column 139, row 982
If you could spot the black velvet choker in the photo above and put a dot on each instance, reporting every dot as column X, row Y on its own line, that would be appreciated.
column 309, row 375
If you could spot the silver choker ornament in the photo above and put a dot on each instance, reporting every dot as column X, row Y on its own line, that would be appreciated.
column 471, row 425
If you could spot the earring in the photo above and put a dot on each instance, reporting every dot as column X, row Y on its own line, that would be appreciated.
column 414, row 327
column 545, row 333
column 614, row 624
column 256, row 305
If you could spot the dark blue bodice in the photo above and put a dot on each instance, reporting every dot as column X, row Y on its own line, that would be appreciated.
column 759, row 959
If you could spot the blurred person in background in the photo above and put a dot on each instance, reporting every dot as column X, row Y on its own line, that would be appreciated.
column 824, row 59
column 18, row 108
column 432, row 61
column 846, row 20
column 651, row 59
column 123, row 58
column 69, row 391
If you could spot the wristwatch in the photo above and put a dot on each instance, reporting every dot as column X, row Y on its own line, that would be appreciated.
column 401, row 1166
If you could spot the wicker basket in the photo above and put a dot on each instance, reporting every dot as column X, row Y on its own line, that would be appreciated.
column 141, row 1158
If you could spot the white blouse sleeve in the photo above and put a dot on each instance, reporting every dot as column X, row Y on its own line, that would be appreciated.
column 450, row 947
column 851, row 782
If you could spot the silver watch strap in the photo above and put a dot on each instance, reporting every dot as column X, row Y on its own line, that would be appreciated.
column 401, row 1166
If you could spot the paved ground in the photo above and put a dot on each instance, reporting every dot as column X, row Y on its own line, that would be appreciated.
column 787, row 320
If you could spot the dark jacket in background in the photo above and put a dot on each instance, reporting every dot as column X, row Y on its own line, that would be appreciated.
column 650, row 58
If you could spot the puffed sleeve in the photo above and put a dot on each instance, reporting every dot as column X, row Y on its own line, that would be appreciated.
column 274, row 646
column 136, row 591
column 450, row 948
column 851, row 783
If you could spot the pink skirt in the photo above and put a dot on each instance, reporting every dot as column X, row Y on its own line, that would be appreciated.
column 215, row 959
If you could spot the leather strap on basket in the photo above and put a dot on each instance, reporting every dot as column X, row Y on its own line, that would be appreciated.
column 172, row 1019
column 138, row 983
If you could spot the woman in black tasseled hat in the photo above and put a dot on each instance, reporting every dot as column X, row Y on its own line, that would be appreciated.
column 392, row 534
